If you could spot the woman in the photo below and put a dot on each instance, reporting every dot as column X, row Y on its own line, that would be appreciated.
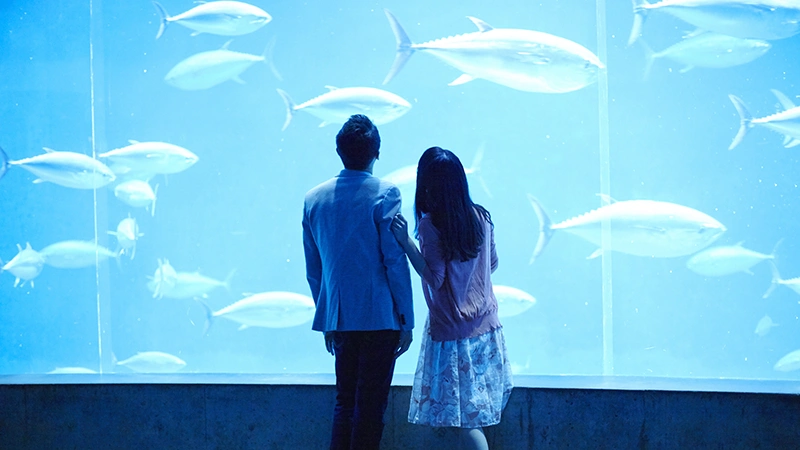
column 463, row 378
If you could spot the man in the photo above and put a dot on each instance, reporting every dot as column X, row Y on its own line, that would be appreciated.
column 360, row 283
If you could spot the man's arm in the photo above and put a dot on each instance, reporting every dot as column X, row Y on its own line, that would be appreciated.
column 394, row 259
column 313, row 259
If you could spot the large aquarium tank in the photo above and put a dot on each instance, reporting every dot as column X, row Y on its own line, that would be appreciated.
column 640, row 163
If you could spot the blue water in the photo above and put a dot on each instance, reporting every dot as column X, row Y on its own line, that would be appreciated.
column 240, row 206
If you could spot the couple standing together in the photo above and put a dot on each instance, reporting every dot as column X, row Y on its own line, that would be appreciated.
column 357, row 250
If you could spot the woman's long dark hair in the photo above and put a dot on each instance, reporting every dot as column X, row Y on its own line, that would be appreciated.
column 443, row 193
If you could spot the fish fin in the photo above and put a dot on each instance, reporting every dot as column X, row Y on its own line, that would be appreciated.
column 32, row 284
column 196, row 33
column 227, row 282
column 242, row 327
column 748, row 271
column 247, row 294
column 776, row 279
column 38, row 181
column 786, row 139
column 649, row 58
column 639, row 16
column 695, row 33
column 133, row 141
column 113, row 233
column 545, row 227
column 464, row 78
column 793, row 143
column 606, row 198
column 775, row 248
column 162, row 13
column 16, row 282
column 19, row 247
column 226, row 45
column 48, row 150
column 3, row 162
column 739, row 244
column 405, row 48
column 745, row 120
column 270, row 60
column 482, row 26
column 686, row 68
column 330, row 88
column 290, row 107
column 324, row 123
column 595, row 254
column 133, row 252
column 238, row 80
column 153, row 206
column 785, row 102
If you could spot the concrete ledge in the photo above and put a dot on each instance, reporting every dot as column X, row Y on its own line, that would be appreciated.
column 200, row 415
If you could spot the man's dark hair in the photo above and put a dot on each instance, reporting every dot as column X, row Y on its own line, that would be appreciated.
column 358, row 142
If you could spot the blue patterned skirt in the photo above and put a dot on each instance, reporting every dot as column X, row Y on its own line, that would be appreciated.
column 464, row 383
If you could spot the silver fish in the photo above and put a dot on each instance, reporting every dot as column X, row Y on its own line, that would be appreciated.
column 149, row 158
column 127, row 235
column 638, row 227
column 3, row 162
column 153, row 362
column 711, row 50
column 68, row 169
column 789, row 362
column 759, row 19
column 226, row 18
column 764, row 325
column 512, row 301
column 208, row 69
column 525, row 60
column 275, row 309
column 786, row 122
column 71, row 370
column 137, row 193
column 793, row 283
column 727, row 259
column 75, row 254
column 191, row 285
column 338, row 104
column 26, row 266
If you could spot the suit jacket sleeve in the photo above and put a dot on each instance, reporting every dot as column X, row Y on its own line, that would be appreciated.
column 313, row 259
column 394, row 259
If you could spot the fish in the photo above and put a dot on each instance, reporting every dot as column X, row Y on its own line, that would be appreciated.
column 127, row 234
column 191, row 285
column 789, row 362
column 26, row 266
column 75, row 254
column 3, row 162
column 225, row 18
column 512, row 301
column 405, row 178
column 137, row 193
column 793, row 283
column 727, row 259
column 152, row 362
column 276, row 309
column 338, row 104
column 638, row 227
column 764, row 325
column 758, row 19
column 164, row 279
column 149, row 158
column 71, row 370
column 207, row 69
column 710, row 50
column 525, row 60
column 68, row 169
column 786, row 122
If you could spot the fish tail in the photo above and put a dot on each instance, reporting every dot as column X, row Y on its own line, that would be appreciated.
column 209, row 316
column 3, row 162
column 639, row 15
column 475, row 168
column 268, row 51
column 404, row 46
column 164, row 18
column 649, row 58
column 155, row 198
column 745, row 120
column 290, row 106
column 776, row 279
column 775, row 248
column 545, row 228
